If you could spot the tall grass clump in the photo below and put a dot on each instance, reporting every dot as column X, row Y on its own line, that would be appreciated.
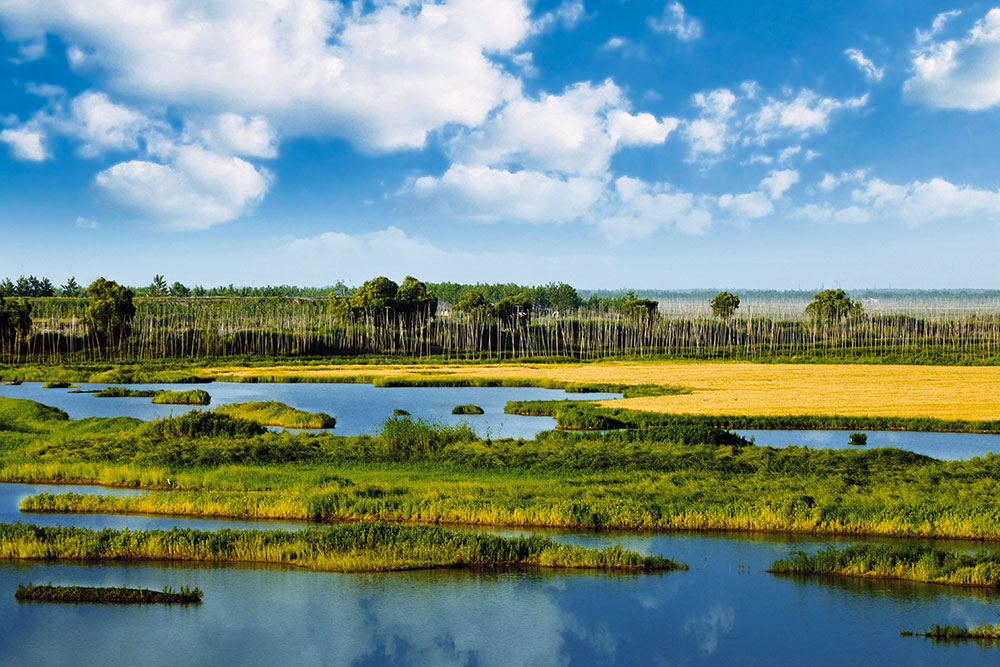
column 357, row 547
column 983, row 631
column 274, row 413
column 189, row 397
column 125, row 392
column 106, row 595
column 467, row 409
column 203, row 423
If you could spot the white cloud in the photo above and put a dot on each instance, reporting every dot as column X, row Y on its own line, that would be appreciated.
column 196, row 189
column 957, row 74
column 807, row 113
column 486, row 194
column 867, row 67
column 638, row 209
column 26, row 143
column 924, row 36
column 103, row 125
column 568, row 14
column 747, row 205
column 827, row 214
column 776, row 183
column 238, row 135
column 788, row 153
column 382, row 78
column 675, row 20
column 85, row 223
column 831, row 182
column 711, row 132
column 614, row 43
column 575, row 132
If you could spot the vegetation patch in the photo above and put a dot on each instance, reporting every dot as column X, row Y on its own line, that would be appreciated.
column 983, row 631
column 125, row 392
column 59, row 384
column 895, row 561
column 857, row 438
column 398, row 412
column 203, row 423
column 357, row 547
column 467, row 409
column 122, row 595
column 273, row 413
column 189, row 397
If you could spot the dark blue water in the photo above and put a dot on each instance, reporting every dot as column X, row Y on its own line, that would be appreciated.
column 944, row 446
column 359, row 408
column 725, row 610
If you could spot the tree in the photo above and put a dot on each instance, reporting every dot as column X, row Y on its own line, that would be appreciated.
column 158, row 287
column 375, row 296
column 15, row 318
column 474, row 303
column 178, row 289
column 563, row 297
column 110, row 311
column 514, row 310
column 71, row 288
column 724, row 305
column 635, row 308
column 831, row 306
column 412, row 297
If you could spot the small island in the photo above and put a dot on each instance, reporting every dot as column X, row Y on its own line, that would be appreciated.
column 107, row 595
column 468, row 409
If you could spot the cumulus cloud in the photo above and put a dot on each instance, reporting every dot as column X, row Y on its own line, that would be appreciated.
column 957, row 73
column 195, row 189
column 807, row 113
column 25, row 142
column 575, row 132
column 237, row 135
column 675, row 20
column 637, row 209
column 867, row 67
column 485, row 194
column 711, row 132
column 827, row 214
column 383, row 77
column 776, row 183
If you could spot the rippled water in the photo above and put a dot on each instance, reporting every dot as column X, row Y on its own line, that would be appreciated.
column 725, row 610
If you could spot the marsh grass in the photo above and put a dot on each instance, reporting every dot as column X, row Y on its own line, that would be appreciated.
column 107, row 595
column 357, row 547
column 467, row 409
column 125, row 392
column 274, row 413
column 189, row 397
column 983, row 631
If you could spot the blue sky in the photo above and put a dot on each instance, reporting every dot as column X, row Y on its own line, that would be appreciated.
column 606, row 144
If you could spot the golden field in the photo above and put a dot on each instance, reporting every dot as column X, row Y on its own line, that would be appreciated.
column 944, row 392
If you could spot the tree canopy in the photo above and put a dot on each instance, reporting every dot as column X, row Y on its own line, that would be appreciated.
column 383, row 296
column 724, row 305
column 110, row 311
column 635, row 308
column 15, row 318
column 833, row 305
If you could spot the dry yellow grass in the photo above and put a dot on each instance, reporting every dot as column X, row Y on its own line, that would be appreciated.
column 944, row 392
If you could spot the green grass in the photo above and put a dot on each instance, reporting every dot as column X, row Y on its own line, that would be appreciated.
column 897, row 561
column 399, row 412
column 273, row 413
column 356, row 547
column 106, row 595
column 189, row 397
column 467, row 409
column 983, row 631
column 59, row 384
column 124, row 392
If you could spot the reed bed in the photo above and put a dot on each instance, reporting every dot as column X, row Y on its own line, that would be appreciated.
column 920, row 332
column 274, row 413
column 896, row 561
column 189, row 397
column 983, row 632
column 358, row 547
column 107, row 595
column 125, row 392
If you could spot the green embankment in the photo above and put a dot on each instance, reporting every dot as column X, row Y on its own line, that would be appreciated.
column 106, row 595
column 357, row 547
column 896, row 561
column 273, row 413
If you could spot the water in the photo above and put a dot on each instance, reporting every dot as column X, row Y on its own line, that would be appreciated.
column 944, row 446
column 359, row 408
column 725, row 610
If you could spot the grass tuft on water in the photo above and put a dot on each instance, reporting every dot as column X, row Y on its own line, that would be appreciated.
column 357, row 547
column 468, row 409
column 125, row 392
column 274, row 413
column 189, row 397
column 982, row 631
column 106, row 595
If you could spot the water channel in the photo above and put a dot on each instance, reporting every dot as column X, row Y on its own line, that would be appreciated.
column 726, row 610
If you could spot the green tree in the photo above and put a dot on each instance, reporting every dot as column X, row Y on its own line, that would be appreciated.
column 15, row 318
column 412, row 297
column 514, row 310
column 71, row 288
column 110, row 311
column 831, row 306
column 724, row 305
column 563, row 297
column 179, row 289
column 158, row 287
column 474, row 303
column 7, row 288
column 375, row 296
column 635, row 308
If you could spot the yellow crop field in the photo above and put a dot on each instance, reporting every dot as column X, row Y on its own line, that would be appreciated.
column 944, row 392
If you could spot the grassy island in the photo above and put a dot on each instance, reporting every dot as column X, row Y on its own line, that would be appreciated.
column 125, row 392
column 906, row 562
column 357, row 547
column 982, row 632
column 122, row 595
column 273, row 413
column 468, row 409
column 189, row 397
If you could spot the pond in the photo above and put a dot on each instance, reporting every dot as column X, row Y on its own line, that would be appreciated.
column 359, row 408
column 944, row 446
column 725, row 610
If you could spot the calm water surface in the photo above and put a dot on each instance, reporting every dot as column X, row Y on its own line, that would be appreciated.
column 359, row 408
column 725, row 610
column 944, row 446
